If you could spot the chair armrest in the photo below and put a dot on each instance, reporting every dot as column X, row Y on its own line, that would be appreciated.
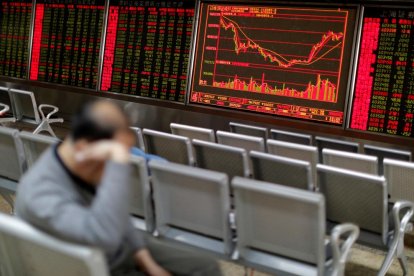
column 340, row 250
column 402, row 224
column 55, row 109
column 3, row 109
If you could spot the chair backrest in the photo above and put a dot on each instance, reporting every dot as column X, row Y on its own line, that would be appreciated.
column 25, row 250
column 295, row 151
column 291, row 137
column 355, row 197
column 242, row 141
column 230, row 160
column 191, row 199
column 11, row 154
column 322, row 142
column 140, row 139
column 249, row 130
column 350, row 161
column 25, row 106
column 34, row 145
column 282, row 170
column 174, row 148
column 192, row 132
column 399, row 175
column 280, row 220
column 382, row 153
column 141, row 193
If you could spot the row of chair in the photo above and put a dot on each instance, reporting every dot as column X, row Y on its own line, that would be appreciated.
column 24, row 108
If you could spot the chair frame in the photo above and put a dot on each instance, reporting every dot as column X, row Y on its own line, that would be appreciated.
column 308, row 137
column 349, row 156
column 248, row 138
column 392, row 242
column 175, row 129
column 396, row 163
column 140, row 138
column 233, row 128
column 12, row 226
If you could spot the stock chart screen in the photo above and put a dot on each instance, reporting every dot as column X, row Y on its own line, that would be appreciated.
column 283, row 60
column 147, row 48
column 383, row 99
column 66, row 42
column 15, row 19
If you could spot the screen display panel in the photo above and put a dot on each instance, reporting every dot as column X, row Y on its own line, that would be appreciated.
column 147, row 48
column 286, row 60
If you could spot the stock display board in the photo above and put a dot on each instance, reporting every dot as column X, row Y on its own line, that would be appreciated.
column 66, row 42
column 383, row 99
column 147, row 48
column 15, row 19
column 284, row 60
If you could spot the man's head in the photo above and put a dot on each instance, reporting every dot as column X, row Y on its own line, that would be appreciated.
column 98, row 122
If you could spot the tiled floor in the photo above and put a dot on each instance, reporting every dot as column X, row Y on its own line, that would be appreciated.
column 364, row 261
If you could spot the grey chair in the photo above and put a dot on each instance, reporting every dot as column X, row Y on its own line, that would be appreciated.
column 25, row 250
column 141, row 193
column 382, row 153
column 11, row 162
column 33, row 146
column 281, row 230
column 322, row 142
column 291, row 137
column 295, row 151
column 174, row 148
column 282, row 170
column 249, row 130
column 363, row 199
column 192, row 132
column 351, row 161
column 399, row 175
column 230, row 160
column 242, row 141
column 26, row 110
column 192, row 207
column 139, row 137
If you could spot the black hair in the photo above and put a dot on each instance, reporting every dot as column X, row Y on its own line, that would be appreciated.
column 85, row 125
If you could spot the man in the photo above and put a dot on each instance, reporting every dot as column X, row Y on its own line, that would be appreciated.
column 79, row 191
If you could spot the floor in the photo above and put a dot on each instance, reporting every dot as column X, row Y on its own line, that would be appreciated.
column 364, row 261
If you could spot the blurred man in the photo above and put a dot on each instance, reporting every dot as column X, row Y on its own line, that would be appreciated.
column 79, row 191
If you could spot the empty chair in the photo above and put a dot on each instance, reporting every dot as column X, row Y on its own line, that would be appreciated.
column 382, row 153
column 192, row 206
column 242, row 141
column 33, row 146
column 26, row 110
column 295, row 151
column 230, row 160
column 362, row 199
column 139, row 137
column 141, row 193
column 174, row 148
column 11, row 162
column 192, row 132
column 25, row 250
column 350, row 161
column 399, row 175
column 322, row 142
column 282, row 170
column 291, row 137
column 282, row 230
column 249, row 130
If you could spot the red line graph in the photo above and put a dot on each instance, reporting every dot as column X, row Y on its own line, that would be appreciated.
column 243, row 43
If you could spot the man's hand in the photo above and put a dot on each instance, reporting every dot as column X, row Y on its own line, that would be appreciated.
column 148, row 265
column 103, row 151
